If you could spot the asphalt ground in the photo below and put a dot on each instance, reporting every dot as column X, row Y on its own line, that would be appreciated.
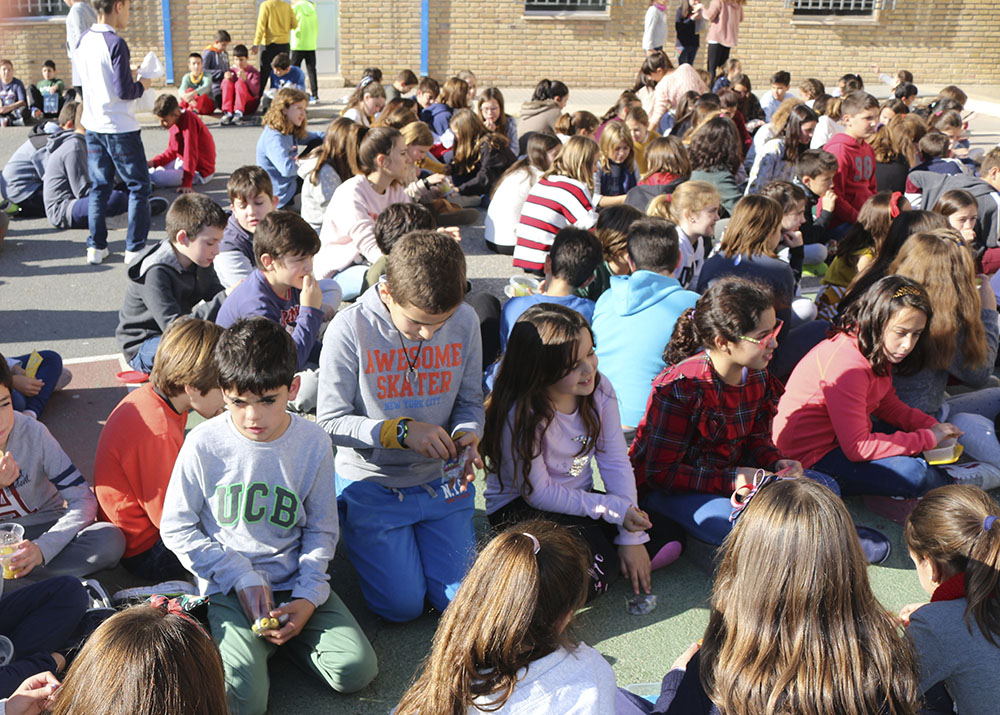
column 50, row 298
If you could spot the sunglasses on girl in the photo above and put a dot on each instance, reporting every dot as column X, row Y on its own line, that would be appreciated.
column 767, row 338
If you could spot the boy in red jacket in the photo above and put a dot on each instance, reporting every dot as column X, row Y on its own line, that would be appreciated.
column 854, row 181
column 190, row 154
column 140, row 441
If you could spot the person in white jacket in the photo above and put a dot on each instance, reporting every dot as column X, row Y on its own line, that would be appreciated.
column 514, row 606
column 654, row 33
column 81, row 16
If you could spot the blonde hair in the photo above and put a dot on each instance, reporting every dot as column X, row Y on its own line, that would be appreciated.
column 692, row 196
column 417, row 133
column 615, row 134
column 275, row 115
column 576, row 160
column 186, row 356
column 667, row 155
column 659, row 206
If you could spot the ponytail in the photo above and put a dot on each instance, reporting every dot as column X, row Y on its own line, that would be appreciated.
column 684, row 341
column 955, row 526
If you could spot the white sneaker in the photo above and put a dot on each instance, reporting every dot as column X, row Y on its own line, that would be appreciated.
column 96, row 255
column 64, row 378
column 978, row 474
column 131, row 256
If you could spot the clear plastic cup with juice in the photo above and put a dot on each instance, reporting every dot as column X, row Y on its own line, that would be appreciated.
column 10, row 536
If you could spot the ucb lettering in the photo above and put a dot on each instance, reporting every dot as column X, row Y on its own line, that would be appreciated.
column 256, row 502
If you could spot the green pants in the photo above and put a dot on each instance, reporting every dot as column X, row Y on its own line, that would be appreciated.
column 331, row 645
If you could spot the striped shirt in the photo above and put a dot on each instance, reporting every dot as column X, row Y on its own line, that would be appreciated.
column 553, row 203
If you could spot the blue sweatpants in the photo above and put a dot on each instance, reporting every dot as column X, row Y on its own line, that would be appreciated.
column 408, row 545
column 48, row 372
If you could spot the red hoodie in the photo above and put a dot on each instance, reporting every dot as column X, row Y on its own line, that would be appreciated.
column 191, row 141
column 854, row 182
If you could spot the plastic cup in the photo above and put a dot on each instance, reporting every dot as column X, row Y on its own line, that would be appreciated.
column 10, row 536
column 524, row 285
column 257, row 600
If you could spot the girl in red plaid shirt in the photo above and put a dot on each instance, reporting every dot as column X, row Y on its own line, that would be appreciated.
column 707, row 427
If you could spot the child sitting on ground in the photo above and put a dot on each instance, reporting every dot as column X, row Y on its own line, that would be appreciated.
column 31, row 392
column 549, row 416
column 612, row 231
column 854, row 181
column 215, row 62
column 241, row 88
column 772, row 98
column 569, row 267
column 14, row 108
column 45, row 494
column 278, row 145
column 365, row 103
column 694, row 207
column 616, row 172
column 141, row 439
column 195, row 93
column 538, row 668
column 283, row 74
column 392, row 224
column 404, row 83
column 251, row 494
column 190, row 154
column 168, row 279
column 400, row 393
column 637, row 121
column 66, row 180
column 814, row 172
column 935, row 149
column 632, row 317
column 251, row 198
column 954, row 542
column 47, row 94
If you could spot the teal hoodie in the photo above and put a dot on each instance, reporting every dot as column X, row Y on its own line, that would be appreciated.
column 303, row 38
column 633, row 321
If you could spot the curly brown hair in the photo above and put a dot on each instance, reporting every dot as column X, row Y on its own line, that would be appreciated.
column 716, row 145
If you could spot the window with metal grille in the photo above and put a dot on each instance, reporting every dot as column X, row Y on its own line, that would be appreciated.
column 838, row 7
column 565, row 5
column 32, row 8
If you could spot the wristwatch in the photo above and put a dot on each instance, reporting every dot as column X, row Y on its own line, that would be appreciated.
column 401, row 431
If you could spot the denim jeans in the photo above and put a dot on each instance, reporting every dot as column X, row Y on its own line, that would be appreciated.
column 48, row 372
column 143, row 359
column 124, row 153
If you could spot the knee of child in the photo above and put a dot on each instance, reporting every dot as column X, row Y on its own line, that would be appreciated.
column 401, row 608
column 247, row 689
column 350, row 673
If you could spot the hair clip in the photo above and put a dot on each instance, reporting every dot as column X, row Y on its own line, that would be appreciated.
column 760, row 480
column 894, row 203
column 365, row 81
column 180, row 606
column 534, row 540
column 988, row 522
column 905, row 290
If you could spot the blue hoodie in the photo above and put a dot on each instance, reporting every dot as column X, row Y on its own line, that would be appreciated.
column 437, row 116
column 633, row 322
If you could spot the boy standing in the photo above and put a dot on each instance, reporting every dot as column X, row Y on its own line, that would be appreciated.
column 141, row 439
column 252, row 491
column 400, row 392
column 41, row 490
column 569, row 267
column 240, row 88
column 303, row 43
column 169, row 279
column 635, row 317
column 113, row 141
column 251, row 196
column 196, row 87
column 13, row 98
column 283, row 288
column 854, row 181
column 275, row 22
column 190, row 153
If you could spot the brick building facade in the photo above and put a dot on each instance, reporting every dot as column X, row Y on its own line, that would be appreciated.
column 948, row 41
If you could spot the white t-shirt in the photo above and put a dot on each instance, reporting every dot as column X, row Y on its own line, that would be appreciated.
column 504, row 212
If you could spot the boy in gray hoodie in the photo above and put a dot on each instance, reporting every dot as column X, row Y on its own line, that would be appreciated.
column 66, row 181
column 252, row 491
column 400, row 393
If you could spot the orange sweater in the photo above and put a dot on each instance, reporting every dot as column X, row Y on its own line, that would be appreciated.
column 135, row 456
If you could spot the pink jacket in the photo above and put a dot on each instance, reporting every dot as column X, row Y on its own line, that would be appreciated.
column 828, row 403
column 724, row 18
column 348, row 232
column 671, row 88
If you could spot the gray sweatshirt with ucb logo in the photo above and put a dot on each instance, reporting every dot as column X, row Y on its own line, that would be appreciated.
column 363, row 382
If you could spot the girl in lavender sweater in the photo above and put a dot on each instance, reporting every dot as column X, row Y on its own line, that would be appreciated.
column 546, row 412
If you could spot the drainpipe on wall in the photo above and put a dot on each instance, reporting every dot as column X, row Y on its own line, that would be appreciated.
column 425, row 12
column 168, row 41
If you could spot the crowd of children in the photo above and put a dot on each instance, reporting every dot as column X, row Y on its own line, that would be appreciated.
column 354, row 384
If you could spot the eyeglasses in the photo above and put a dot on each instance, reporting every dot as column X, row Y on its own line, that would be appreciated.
column 767, row 338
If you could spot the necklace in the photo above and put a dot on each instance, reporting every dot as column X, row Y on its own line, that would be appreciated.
column 411, row 369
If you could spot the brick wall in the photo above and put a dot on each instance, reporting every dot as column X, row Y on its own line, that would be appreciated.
column 943, row 42
column 28, row 43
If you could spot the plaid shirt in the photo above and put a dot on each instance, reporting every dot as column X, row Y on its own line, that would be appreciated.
column 697, row 430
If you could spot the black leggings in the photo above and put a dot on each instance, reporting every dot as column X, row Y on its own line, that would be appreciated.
column 600, row 536
column 717, row 56
column 310, row 58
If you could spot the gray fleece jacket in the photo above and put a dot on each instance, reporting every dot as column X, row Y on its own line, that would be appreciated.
column 159, row 290
column 66, row 178
column 361, row 385
column 925, row 390
column 932, row 185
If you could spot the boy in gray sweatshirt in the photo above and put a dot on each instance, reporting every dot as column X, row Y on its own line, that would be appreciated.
column 400, row 393
column 41, row 490
column 252, row 491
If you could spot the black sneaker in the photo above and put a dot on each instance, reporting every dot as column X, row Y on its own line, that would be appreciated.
column 158, row 205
